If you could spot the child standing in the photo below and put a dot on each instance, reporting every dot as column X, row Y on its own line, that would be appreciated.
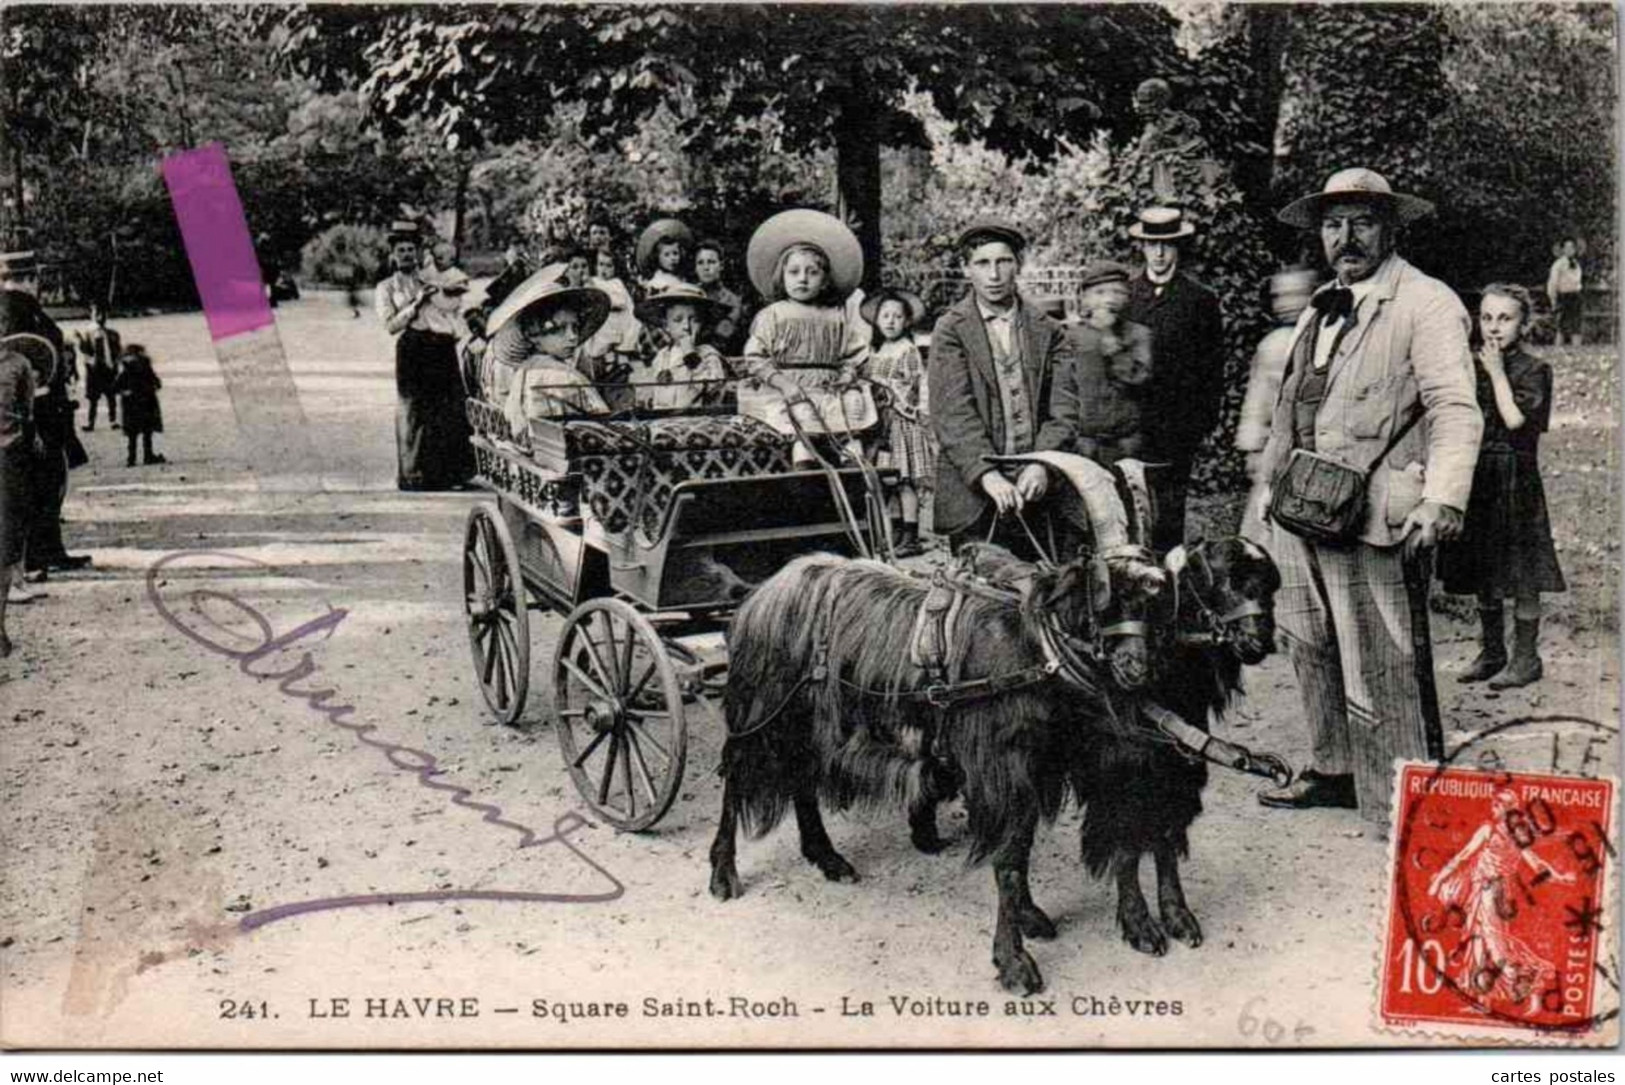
column 895, row 363
column 1506, row 547
column 662, row 256
column 804, row 351
column 137, row 386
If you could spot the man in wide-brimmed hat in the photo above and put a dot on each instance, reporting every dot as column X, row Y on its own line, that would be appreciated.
column 1380, row 348
column 993, row 357
column 21, row 311
column 1187, row 350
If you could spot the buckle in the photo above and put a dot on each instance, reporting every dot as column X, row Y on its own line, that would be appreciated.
column 937, row 695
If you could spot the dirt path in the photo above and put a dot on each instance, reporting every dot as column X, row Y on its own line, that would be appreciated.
column 154, row 794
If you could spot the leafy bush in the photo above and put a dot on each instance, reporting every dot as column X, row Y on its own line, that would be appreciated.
column 345, row 254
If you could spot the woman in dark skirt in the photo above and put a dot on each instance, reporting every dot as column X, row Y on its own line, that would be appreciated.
column 1506, row 549
column 19, row 446
column 431, row 429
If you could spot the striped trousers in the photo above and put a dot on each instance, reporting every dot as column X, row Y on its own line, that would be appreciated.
column 1347, row 621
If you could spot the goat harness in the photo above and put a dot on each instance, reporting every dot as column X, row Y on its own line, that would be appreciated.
column 1217, row 628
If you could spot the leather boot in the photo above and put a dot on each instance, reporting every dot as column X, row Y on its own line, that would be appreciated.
column 908, row 541
column 1526, row 666
column 1492, row 655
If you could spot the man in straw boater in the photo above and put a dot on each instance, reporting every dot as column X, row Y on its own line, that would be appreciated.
column 1380, row 384
column 993, row 358
column 1187, row 353
column 21, row 312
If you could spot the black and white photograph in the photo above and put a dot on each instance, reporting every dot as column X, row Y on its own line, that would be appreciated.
column 809, row 526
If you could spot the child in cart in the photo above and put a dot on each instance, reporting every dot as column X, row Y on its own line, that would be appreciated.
column 806, row 349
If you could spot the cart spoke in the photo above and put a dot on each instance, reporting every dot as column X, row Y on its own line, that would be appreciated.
column 597, row 740
column 604, row 674
column 490, row 661
column 650, row 739
column 581, row 676
column 481, row 565
column 626, row 769
column 572, row 713
column 510, row 653
column 637, row 687
column 500, row 656
column 609, row 767
column 626, row 658
column 615, row 678
column 643, row 766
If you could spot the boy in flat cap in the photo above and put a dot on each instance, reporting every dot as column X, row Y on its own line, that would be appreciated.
column 993, row 356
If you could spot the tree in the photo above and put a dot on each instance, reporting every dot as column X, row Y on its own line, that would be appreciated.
column 1020, row 77
column 1526, row 149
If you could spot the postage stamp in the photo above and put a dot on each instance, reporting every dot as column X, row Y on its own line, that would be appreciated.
column 1500, row 882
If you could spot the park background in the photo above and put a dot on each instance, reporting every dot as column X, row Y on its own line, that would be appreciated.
column 493, row 121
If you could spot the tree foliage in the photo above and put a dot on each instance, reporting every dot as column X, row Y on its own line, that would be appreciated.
column 742, row 78
column 1528, row 142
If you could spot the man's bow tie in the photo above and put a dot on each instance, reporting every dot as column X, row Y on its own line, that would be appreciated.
column 1335, row 304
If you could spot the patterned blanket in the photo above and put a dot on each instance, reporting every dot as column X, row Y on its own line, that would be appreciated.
column 630, row 470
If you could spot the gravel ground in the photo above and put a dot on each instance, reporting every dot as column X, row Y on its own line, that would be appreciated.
column 154, row 794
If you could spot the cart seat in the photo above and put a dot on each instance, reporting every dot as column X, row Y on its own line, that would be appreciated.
column 625, row 486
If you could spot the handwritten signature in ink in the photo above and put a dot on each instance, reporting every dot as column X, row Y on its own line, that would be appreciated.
column 268, row 642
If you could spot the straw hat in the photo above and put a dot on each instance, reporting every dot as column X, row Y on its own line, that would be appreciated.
column 40, row 352
column 652, row 310
column 1162, row 224
column 545, row 293
column 1357, row 185
column 911, row 301
column 656, row 232
column 804, row 226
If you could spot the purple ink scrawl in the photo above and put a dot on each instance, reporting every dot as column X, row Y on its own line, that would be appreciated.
column 217, row 241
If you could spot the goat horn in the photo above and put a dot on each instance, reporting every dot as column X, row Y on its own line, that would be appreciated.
column 1131, row 473
column 1095, row 486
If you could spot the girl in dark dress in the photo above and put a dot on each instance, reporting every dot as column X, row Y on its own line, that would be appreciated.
column 1506, row 548
column 137, row 387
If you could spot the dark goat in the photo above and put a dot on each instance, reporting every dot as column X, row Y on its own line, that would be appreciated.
column 824, row 703
column 1141, row 794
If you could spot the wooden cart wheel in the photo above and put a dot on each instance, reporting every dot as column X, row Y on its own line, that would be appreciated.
column 498, row 624
column 618, row 710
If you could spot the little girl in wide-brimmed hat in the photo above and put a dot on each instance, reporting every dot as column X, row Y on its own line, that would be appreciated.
column 805, row 348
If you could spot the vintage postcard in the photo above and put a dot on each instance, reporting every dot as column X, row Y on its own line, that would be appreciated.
column 809, row 526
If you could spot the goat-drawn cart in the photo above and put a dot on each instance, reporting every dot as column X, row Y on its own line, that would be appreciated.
column 643, row 529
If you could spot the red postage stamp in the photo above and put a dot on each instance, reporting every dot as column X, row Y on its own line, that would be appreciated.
column 1499, row 887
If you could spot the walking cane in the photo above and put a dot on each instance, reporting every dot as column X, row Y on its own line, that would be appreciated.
column 1418, row 581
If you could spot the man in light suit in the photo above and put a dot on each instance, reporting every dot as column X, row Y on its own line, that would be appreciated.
column 993, row 357
column 1378, row 343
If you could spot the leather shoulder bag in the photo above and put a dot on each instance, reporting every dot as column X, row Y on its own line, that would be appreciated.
column 1321, row 499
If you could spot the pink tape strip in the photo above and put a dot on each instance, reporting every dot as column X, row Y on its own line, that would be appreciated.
column 217, row 241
